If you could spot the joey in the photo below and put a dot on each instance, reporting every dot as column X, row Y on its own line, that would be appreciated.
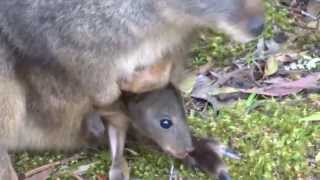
column 156, row 118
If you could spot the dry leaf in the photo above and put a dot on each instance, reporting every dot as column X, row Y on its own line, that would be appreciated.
column 271, row 67
column 283, row 89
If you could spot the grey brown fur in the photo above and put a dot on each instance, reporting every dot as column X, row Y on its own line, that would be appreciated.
column 60, row 60
column 92, row 45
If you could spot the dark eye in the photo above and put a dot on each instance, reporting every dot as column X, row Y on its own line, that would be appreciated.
column 166, row 123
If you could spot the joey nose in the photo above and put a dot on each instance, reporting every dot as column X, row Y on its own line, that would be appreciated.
column 256, row 25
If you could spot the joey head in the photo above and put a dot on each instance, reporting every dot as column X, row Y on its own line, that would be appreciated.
column 159, row 116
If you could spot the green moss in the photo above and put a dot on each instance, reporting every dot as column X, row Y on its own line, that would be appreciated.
column 25, row 161
column 216, row 48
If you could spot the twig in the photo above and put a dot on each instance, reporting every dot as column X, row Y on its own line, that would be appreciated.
column 172, row 175
column 298, row 10
column 77, row 177
column 50, row 165
column 305, row 13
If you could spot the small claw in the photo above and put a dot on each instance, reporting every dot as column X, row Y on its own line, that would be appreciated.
column 230, row 153
column 223, row 175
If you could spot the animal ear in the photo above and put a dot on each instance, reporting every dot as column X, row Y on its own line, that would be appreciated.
column 223, row 150
column 148, row 78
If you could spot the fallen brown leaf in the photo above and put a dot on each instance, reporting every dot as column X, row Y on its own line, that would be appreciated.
column 287, row 88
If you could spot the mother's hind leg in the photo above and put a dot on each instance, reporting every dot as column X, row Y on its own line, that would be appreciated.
column 6, row 170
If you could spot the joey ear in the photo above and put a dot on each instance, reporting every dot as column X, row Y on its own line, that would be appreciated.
column 148, row 78
column 207, row 158
column 222, row 150
column 230, row 153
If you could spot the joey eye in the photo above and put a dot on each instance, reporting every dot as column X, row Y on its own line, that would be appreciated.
column 166, row 123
